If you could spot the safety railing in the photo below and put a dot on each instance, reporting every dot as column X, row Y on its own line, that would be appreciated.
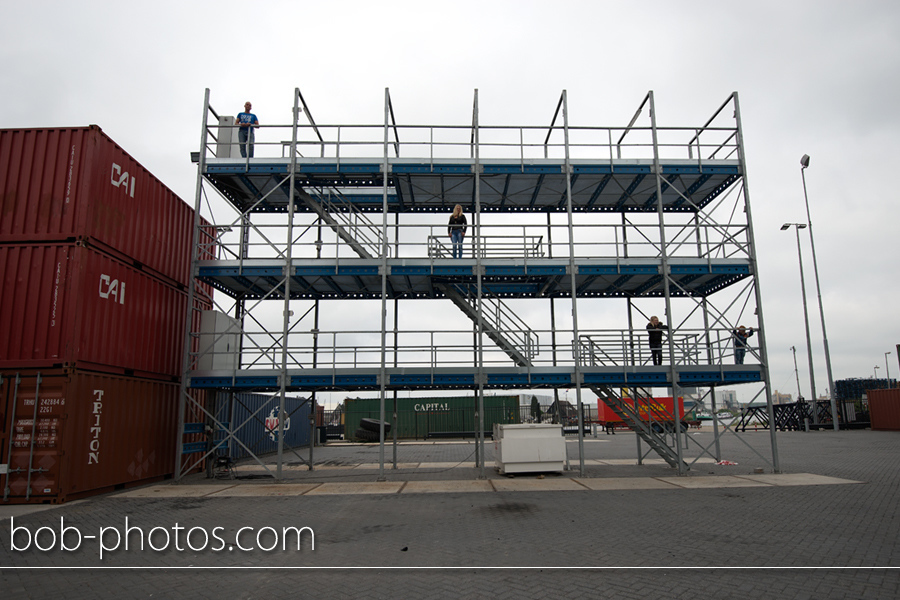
column 341, row 350
column 616, row 348
column 436, row 143
column 490, row 246
column 424, row 238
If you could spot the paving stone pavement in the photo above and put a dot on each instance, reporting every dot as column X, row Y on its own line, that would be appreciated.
column 765, row 541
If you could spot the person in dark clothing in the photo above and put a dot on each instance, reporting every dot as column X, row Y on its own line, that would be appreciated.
column 740, row 336
column 655, row 333
column 456, row 229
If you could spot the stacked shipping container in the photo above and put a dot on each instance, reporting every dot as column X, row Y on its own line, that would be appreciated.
column 255, row 419
column 94, row 267
column 77, row 184
column 423, row 417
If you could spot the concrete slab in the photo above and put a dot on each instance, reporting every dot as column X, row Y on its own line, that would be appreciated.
column 452, row 465
column 537, row 485
column 387, row 465
column 368, row 487
column 20, row 510
column 718, row 481
column 797, row 479
column 265, row 489
column 430, row 487
column 175, row 491
column 625, row 483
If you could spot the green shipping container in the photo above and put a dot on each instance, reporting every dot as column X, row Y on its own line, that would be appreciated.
column 417, row 418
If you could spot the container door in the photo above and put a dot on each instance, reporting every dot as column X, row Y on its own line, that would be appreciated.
column 34, row 449
column 7, row 384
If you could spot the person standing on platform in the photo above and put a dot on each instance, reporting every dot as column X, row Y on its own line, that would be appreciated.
column 740, row 336
column 655, row 332
column 247, row 122
column 456, row 229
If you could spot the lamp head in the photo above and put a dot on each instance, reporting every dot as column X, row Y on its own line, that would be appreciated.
column 785, row 226
column 801, row 225
column 804, row 161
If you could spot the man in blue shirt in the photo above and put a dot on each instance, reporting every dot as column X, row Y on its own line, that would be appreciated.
column 247, row 122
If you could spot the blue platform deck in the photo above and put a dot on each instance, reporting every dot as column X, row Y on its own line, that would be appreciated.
column 508, row 278
column 507, row 185
column 465, row 377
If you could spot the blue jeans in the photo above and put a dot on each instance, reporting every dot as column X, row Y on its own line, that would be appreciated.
column 246, row 144
column 739, row 352
column 456, row 239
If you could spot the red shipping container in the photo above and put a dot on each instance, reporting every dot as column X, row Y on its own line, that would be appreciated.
column 65, row 305
column 76, row 183
column 659, row 408
column 88, row 433
column 884, row 409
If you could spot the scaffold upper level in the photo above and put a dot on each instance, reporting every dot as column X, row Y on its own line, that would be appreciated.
column 654, row 219
column 643, row 203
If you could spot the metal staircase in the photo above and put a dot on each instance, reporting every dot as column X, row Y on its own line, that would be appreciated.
column 503, row 326
column 649, row 430
column 500, row 323
column 348, row 222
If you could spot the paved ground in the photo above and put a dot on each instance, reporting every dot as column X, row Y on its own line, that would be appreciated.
column 827, row 527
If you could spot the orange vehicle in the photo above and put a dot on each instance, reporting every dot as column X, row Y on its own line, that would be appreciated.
column 656, row 411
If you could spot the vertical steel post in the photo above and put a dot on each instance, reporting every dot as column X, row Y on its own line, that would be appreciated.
column 710, row 357
column 763, row 353
column 394, row 417
column 812, row 243
column 812, row 375
column 385, row 167
column 797, row 374
column 478, row 270
column 288, row 275
column 573, row 272
column 664, row 267
column 315, row 341
column 188, row 320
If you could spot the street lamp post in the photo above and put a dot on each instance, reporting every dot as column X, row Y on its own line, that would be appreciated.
column 804, row 162
column 812, row 377
column 875, row 371
column 797, row 374
column 887, row 370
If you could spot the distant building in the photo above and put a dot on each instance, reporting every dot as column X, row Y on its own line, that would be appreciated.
column 727, row 398
column 779, row 398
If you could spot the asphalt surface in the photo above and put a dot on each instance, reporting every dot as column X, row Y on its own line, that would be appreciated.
column 826, row 526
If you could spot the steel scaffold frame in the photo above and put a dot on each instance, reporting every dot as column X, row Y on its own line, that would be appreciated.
column 339, row 206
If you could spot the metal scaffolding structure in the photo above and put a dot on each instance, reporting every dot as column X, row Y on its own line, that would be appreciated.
column 605, row 226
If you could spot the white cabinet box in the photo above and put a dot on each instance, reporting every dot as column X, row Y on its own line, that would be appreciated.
column 220, row 337
column 529, row 448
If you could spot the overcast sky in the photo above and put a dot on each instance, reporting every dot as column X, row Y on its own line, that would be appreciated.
column 814, row 77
